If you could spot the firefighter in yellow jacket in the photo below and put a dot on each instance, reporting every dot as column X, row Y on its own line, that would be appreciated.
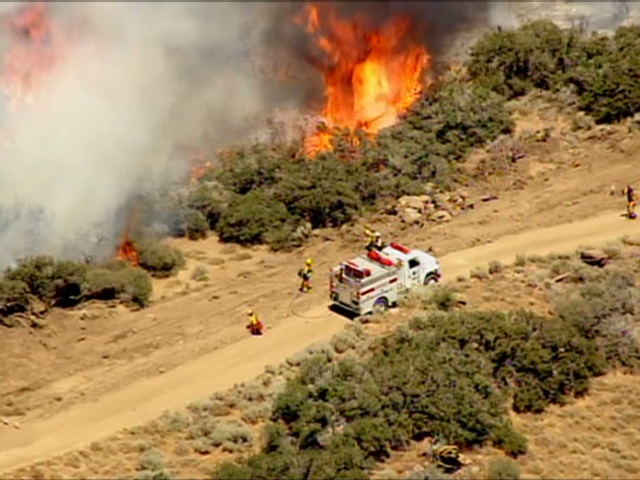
column 374, row 240
column 305, row 274
column 255, row 325
column 632, row 201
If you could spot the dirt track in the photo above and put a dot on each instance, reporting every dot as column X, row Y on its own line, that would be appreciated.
column 137, row 403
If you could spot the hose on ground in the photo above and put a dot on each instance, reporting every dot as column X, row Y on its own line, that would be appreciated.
column 294, row 313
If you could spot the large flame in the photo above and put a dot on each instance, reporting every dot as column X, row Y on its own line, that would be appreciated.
column 371, row 75
column 127, row 251
column 36, row 47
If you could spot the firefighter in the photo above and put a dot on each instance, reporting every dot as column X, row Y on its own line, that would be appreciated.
column 374, row 240
column 632, row 200
column 305, row 274
column 255, row 325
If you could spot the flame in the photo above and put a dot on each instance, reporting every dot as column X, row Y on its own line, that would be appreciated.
column 37, row 47
column 200, row 167
column 127, row 251
column 371, row 75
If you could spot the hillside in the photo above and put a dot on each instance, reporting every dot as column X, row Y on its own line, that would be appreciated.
column 168, row 443
column 539, row 171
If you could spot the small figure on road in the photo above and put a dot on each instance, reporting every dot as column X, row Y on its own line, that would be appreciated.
column 632, row 201
column 255, row 326
column 305, row 274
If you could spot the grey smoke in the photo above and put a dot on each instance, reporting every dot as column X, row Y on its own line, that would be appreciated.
column 142, row 80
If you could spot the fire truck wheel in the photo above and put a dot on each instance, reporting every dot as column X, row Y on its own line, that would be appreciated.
column 381, row 305
column 430, row 280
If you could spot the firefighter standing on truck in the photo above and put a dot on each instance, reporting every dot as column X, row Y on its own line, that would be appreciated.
column 632, row 200
column 374, row 240
column 255, row 325
column 305, row 274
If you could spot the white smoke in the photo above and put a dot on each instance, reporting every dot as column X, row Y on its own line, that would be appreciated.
column 141, row 80
column 591, row 16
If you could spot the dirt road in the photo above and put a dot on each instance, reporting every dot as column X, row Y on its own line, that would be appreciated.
column 240, row 361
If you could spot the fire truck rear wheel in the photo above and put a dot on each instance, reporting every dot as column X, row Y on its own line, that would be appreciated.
column 381, row 305
column 430, row 280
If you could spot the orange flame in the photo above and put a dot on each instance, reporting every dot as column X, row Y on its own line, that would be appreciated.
column 372, row 74
column 200, row 167
column 127, row 251
column 37, row 47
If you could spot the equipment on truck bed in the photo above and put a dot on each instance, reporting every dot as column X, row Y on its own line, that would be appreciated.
column 373, row 282
column 448, row 457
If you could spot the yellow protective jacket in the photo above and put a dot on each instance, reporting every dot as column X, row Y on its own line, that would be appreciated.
column 253, row 319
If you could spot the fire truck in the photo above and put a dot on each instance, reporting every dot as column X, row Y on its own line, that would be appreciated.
column 373, row 282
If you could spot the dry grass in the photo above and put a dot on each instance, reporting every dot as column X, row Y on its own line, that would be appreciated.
column 595, row 437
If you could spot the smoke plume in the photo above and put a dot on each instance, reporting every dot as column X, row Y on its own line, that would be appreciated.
column 137, row 82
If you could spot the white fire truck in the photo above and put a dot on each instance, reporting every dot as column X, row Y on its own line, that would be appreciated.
column 374, row 282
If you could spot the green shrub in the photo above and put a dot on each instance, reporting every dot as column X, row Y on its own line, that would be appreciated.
column 151, row 460
column 429, row 472
column 54, row 282
column 37, row 274
column 442, row 128
column 159, row 259
column 443, row 297
column 14, row 297
column 196, row 226
column 604, row 82
column 69, row 282
column 503, row 469
column 600, row 310
column 495, row 266
column 250, row 217
column 284, row 238
column 512, row 442
column 597, row 69
column 512, row 62
column 210, row 200
column 129, row 285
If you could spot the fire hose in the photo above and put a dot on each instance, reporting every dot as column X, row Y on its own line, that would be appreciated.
column 294, row 313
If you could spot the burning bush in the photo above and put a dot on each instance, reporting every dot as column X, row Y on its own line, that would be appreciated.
column 159, row 259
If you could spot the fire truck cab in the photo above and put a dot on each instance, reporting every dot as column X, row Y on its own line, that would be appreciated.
column 374, row 282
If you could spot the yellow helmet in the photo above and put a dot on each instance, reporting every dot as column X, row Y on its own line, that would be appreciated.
column 250, row 312
column 309, row 262
column 378, row 234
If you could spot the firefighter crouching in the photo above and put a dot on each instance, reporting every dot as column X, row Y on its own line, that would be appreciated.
column 632, row 201
column 305, row 274
column 374, row 240
column 255, row 326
